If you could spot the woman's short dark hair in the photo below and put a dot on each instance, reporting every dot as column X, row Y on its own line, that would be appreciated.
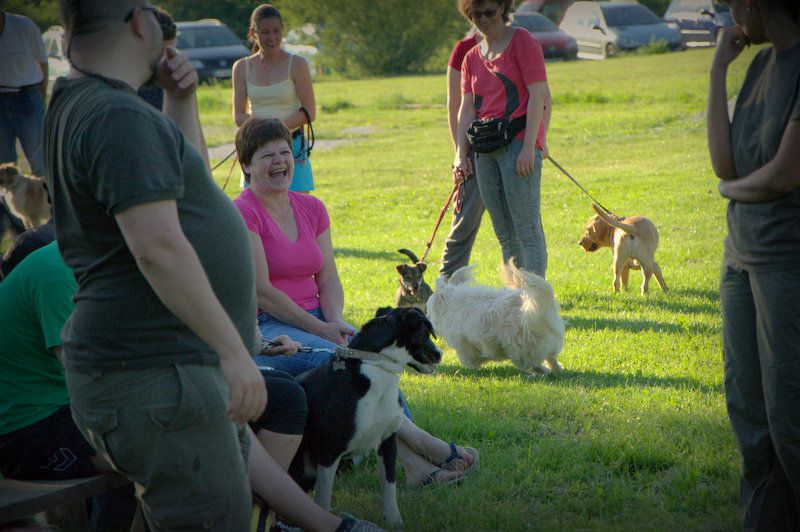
column 260, row 13
column 257, row 132
column 168, row 28
column 467, row 7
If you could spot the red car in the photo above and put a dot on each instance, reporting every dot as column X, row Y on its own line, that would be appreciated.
column 555, row 43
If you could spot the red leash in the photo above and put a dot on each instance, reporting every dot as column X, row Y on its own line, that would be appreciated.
column 459, row 200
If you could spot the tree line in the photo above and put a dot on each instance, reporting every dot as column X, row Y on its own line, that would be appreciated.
column 354, row 37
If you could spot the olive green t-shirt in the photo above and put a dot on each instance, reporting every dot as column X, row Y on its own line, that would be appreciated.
column 106, row 150
column 765, row 235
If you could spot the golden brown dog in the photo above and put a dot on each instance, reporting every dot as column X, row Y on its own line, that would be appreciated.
column 25, row 196
column 633, row 240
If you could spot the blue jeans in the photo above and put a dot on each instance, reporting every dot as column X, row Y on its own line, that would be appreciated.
column 270, row 327
column 22, row 117
column 514, row 204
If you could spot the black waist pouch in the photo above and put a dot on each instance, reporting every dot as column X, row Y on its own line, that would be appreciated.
column 488, row 135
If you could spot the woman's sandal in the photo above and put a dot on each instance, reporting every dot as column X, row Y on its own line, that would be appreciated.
column 454, row 461
column 432, row 479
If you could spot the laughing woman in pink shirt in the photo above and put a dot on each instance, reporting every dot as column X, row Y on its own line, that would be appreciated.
column 298, row 289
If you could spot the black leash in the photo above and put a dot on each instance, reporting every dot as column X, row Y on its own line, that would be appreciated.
column 579, row 185
column 223, row 160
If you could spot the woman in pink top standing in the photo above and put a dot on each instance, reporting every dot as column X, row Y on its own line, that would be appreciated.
column 504, row 76
column 298, row 288
column 273, row 83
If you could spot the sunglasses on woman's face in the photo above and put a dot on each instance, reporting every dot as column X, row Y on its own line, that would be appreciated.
column 488, row 13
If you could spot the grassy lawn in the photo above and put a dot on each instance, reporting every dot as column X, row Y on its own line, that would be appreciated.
column 633, row 435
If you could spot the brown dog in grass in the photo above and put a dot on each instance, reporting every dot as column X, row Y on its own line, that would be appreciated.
column 413, row 290
column 25, row 196
column 633, row 240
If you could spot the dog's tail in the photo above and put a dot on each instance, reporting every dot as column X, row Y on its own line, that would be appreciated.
column 409, row 254
column 614, row 222
column 538, row 298
column 534, row 286
column 463, row 275
column 539, row 308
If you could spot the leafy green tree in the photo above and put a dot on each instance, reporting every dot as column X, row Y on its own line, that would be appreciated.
column 383, row 37
column 44, row 13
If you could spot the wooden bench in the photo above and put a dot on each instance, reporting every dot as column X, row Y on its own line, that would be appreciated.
column 22, row 498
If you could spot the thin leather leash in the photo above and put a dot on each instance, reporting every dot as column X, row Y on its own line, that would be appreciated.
column 579, row 185
column 457, row 192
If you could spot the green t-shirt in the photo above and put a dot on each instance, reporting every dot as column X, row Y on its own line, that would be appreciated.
column 35, row 301
column 765, row 235
column 106, row 150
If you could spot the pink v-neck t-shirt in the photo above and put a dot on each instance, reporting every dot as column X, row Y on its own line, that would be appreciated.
column 521, row 64
column 293, row 265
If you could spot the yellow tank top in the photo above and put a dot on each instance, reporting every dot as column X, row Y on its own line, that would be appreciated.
column 278, row 100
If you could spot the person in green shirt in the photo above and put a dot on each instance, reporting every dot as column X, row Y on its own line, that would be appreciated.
column 35, row 301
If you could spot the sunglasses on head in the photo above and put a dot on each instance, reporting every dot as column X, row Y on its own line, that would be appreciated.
column 488, row 13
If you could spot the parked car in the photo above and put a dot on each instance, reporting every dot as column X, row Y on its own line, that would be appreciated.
column 552, row 9
column 555, row 43
column 603, row 29
column 698, row 20
column 211, row 47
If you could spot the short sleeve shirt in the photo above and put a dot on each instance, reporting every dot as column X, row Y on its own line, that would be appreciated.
column 765, row 235
column 106, row 150
column 22, row 50
column 500, row 86
column 35, row 301
column 293, row 265
column 460, row 50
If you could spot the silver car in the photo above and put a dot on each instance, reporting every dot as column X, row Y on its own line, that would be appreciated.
column 603, row 29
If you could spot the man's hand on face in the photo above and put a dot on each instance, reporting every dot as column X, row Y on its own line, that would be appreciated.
column 176, row 74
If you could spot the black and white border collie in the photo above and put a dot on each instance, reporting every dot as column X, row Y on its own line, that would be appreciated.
column 354, row 407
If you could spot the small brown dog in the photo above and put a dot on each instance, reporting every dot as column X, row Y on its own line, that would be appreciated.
column 633, row 240
column 413, row 290
column 25, row 196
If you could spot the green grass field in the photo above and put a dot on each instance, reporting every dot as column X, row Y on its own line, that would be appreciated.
column 634, row 434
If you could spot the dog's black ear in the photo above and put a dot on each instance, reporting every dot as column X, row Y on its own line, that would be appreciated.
column 418, row 314
column 382, row 311
column 422, row 267
column 401, row 268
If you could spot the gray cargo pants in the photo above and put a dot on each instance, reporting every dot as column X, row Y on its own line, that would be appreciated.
column 761, row 348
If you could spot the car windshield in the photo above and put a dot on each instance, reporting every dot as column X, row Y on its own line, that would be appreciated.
column 632, row 15
column 534, row 23
column 695, row 6
column 206, row 37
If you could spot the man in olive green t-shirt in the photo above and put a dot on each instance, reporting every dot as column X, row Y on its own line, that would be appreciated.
column 157, row 352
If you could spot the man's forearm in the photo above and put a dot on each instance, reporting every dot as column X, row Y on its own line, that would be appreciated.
column 719, row 126
column 185, row 113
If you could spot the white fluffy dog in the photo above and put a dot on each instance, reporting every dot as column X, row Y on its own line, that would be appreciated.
column 483, row 323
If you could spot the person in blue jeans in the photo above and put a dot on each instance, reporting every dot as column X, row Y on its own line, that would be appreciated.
column 23, row 86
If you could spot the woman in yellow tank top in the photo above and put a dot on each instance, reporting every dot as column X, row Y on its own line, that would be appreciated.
column 273, row 83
